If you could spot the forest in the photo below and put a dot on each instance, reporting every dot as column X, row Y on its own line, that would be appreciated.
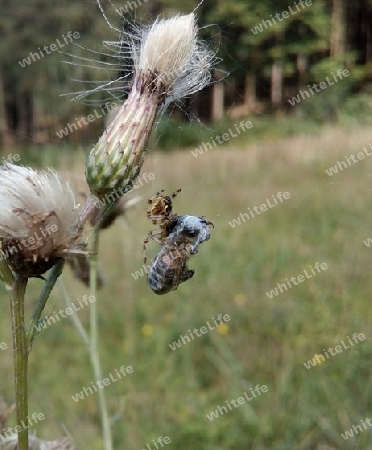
column 271, row 55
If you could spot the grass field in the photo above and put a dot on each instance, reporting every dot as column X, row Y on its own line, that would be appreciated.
column 266, row 342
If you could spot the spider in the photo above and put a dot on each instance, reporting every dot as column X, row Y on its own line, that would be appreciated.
column 160, row 213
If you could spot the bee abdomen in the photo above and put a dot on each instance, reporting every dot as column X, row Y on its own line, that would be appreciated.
column 163, row 278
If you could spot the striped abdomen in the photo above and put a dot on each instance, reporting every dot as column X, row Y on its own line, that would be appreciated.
column 168, row 269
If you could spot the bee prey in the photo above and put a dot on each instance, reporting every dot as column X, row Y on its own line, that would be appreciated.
column 179, row 237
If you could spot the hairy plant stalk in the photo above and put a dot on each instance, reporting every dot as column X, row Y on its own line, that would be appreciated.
column 41, row 301
column 20, row 348
column 34, row 203
column 93, row 347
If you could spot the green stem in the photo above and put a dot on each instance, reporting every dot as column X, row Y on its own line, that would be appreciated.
column 20, row 348
column 94, row 351
column 32, row 329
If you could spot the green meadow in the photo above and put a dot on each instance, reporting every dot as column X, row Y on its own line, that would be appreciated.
column 266, row 342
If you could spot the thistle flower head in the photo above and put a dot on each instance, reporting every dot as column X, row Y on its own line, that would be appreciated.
column 38, row 219
column 169, row 63
column 170, row 53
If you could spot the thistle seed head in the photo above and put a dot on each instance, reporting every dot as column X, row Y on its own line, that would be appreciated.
column 38, row 220
column 170, row 54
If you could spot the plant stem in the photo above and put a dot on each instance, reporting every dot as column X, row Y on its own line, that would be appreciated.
column 94, row 339
column 41, row 301
column 20, row 348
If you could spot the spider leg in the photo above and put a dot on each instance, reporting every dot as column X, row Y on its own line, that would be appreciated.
column 176, row 192
column 155, row 235
column 144, row 248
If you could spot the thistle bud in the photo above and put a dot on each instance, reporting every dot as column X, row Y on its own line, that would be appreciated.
column 169, row 63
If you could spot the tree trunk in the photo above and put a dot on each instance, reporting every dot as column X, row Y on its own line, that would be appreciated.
column 366, row 32
column 302, row 67
column 6, row 138
column 276, row 84
column 217, row 101
column 338, row 28
column 250, row 96
column 25, row 128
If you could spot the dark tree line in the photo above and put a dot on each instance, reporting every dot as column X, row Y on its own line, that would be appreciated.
column 270, row 49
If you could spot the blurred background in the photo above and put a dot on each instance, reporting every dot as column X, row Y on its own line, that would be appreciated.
column 263, row 63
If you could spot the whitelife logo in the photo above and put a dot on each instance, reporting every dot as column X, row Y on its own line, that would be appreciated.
column 55, row 317
column 12, row 159
column 318, row 359
column 341, row 165
column 300, row 278
column 130, row 6
column 281, row 16
column 71, row 36
column 368, row 242
column 102, row 383
column 31, row 240
column 258, row 390
column 276, row 200
column 33, row 420
column 203, row 330
column 319, row 87
column 161, row 441
column 225, row 137
column 108, row 199
column 356, row 429
column 85, row 120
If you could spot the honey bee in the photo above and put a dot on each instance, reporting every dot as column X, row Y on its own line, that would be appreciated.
column 179, row 237
column 169, row 267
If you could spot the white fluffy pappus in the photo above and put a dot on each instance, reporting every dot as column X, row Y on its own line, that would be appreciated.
column 39, row 221
column 168, row 50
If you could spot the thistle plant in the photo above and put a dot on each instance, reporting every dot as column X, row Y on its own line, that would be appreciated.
column 39, row 228
column 40, row 224
column 169, row 63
